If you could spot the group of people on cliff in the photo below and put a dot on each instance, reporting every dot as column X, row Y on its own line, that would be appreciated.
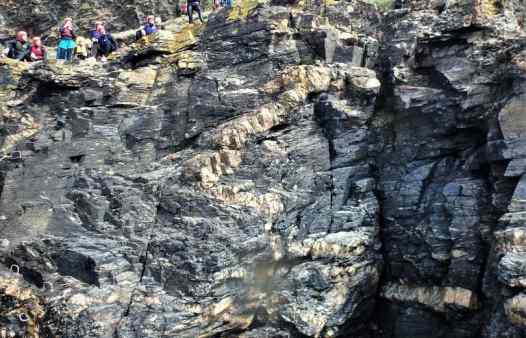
column 100, row 43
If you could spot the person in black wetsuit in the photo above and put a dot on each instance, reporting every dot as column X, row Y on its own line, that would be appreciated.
column 194, row 5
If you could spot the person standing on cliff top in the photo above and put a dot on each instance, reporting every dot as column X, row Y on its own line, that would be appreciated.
column 226, row 3
column 194, row 5
column 66, row 45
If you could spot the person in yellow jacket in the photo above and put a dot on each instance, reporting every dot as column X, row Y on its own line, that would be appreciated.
column 83, row 49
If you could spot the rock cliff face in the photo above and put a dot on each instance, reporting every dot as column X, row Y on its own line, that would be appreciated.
column 285, row 170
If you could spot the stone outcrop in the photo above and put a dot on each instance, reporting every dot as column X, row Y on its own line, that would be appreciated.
column 284, row 170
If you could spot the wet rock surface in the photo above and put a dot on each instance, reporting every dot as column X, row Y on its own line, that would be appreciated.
column 305, row 170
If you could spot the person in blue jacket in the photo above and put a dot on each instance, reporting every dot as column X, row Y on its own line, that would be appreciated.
column 94, row 36
column 149, row 28
column 105, row 44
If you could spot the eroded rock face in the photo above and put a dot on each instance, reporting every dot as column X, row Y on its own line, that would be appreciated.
column 198, row 185
column 449, row 113
column 300, row 171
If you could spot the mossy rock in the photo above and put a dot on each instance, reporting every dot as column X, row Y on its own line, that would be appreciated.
column 243, row 10
column 169, row 42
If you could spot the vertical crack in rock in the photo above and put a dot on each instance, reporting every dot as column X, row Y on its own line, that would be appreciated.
column 152, row 233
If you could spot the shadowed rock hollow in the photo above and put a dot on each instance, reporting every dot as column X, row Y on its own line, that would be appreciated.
column 286, row 170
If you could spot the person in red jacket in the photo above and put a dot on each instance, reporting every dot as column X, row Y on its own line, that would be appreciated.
column 38, row 52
